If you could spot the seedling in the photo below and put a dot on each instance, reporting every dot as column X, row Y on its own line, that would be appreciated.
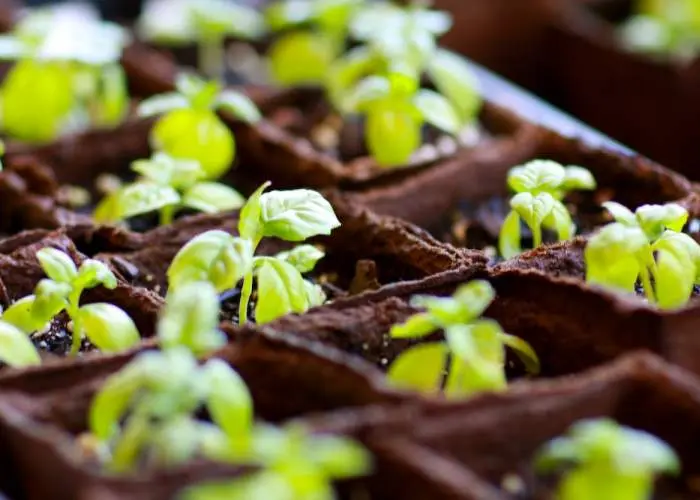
column 473, row 349
column 540, row 187
column 224, row 260
column 298, row 465
column 167, row 185
column 145, row 414
column 646, row 245
column 67, row 77
column 206, row 23
column 108, row 327
column 16, row 349
column 190, row 128
column 2, row 153
column 607, row 461
column 661, row 27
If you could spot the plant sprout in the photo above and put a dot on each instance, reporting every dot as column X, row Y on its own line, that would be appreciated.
column 108, row 327
column 473, row 349
column 646, row 245
column 224, row 260
column 67, row 75
column 206, row 23
column 540, row 187
column 300, row 465
column 664, row 27
column 610, row 461
column 311, row 34
column 190, row 128
column 168, row 185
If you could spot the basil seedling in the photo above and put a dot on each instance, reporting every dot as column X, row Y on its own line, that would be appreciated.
column 190, row 127
column 16, row 349
column 473, row 348
column 540, row 185
column 108, row 327
column 607, row 461
column 206, row 23
column 167, row 185
column 646, row 245
column 145, row 414
column 223, row 259
column 68, row 76
column 299, row 465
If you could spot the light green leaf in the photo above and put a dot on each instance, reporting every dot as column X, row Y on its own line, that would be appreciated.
column 296, row 215
column 475, row 297
column 314, row 294
column 417, row 326
column 393, row 133
column 654, row 219
column 533, row 209
column 50, row 298
column 250, row 225
column 214, row 256
column 107, row 210
column 680, row 243
column 537, row 176
column 612, row 256
column 346, row 72
column 524, row 351
column 578, row 178
column 303, row 257
column 419, row 368
column 673, row 283
column 620, row 213
column 229, row 401
column 161, row 104
column 212, row 197
column 559, row 219
column 57, row 265
column 218, row 18
column 108, row 327
column 509, row 237
column 239, row 105
column 144, row 197
column 113, row 99
column 367, row 93
column 93, row 273
column 281, row 291
column 282, row 15
column 16, row 349
column 454, row 79
column 340, row 457
column 301, row 57
column 438, row 111
column 175, row 441
column 190, row 318
column 20, row 315
column 163, row 169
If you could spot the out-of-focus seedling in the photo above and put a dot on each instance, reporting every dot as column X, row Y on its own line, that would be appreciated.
column 473, row 350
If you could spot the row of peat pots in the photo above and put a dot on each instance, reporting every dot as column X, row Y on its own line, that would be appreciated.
column 573, row 53
column 576, row 351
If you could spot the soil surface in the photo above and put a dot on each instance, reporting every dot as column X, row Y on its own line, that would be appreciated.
column 57, row 338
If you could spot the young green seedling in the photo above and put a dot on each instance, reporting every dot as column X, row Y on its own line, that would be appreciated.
column 646, row 245
column 167, row 185
column 540, row 187
column 190, row 127
column 206, row 23
column 68, row 76
column 607, row 461
column 224, row 260
column 16, row 348
column 473, row 349
column 108, row 327
column 145, row 414
column 298, row 465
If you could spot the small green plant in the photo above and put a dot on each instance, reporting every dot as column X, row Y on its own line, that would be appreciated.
column 206, row 23
column 108, row 327
column 67, row 76
column 224, row 260
column 664, row 27
column 645, row 245
column 167, row 185
column 607, row 461
column 298, row 465
column 473, row 349
column 540, row 187
column 190, row 128
column 17, row 349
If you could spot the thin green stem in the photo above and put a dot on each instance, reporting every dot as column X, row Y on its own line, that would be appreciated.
column 130, row 444
column 246, row 292
column 646, row 284
column 536, row 236
column 73, row 311
column 167, row 215
column 211, row 54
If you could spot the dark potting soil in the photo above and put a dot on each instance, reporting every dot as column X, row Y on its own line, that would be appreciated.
column 57, row 338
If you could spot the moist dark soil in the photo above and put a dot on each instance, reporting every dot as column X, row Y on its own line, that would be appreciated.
column 57, row 338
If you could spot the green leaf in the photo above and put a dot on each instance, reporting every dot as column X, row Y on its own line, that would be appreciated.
column 475, row 297
column 559, row 219
column 678, row 243
column 438, row 111
column 674, row 278
column 282, row 15
column 218, row 18
column 16, row 349
column 346, row 72
column 419, row 368
column 301, row 57
column 228, row 400
column 612, row 256
column 417, row 326
column 145, row 197
column 537, row 176
column 107, row 210
column 108, row 327
column 296, row 215
column 454, row 79
column 281, row 291
column 393, row 133
column 578, row 178
column 303, row 257
column 533, row 209
column 524, row 351
column 93, row 273
column 620, row 213
column 509, row 237
column 113, row 100
column 367, row 93
column 174, row 172
column 190, row 318
column 57, row 265
column 175, row 441
column 50, row 298
column 161, row 104
column 214, row 256
column 250, row 225
column 239, row 105
column 655, row 219
column 20, row 315
column 314, row 294
column 340, row 457
column 212, row 197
